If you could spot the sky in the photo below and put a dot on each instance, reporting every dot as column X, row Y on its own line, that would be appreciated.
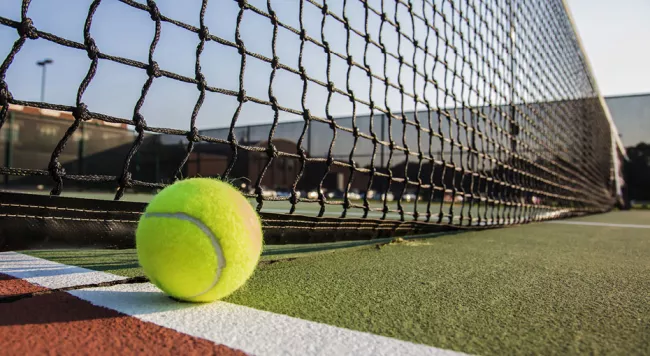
column 614, row 35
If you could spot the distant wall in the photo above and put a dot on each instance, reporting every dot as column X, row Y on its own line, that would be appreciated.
column 631, row 114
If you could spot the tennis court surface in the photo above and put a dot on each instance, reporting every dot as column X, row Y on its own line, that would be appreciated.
column 536, row 289
column 432, row 177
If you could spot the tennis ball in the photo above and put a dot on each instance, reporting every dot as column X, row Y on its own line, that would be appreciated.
column 199, row 240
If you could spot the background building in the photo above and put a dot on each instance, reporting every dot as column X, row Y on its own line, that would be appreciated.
column 631, row 113
column 98, row 148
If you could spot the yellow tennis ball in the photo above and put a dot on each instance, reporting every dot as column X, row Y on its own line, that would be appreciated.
column 199, row 240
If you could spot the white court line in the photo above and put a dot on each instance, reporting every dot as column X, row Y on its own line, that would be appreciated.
column 250, row 330
column 50, row 274
column 589, row 223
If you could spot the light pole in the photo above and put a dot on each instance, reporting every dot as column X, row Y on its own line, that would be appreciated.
column 43, row 64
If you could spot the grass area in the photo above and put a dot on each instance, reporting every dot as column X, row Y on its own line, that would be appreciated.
column 534, row 289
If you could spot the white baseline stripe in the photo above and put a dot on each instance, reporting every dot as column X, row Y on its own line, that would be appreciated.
column 247, row 329
column 50, row 274
column 589, row 223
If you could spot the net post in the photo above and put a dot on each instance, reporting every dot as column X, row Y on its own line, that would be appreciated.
column 9, row 146
column 81, row 147
column 157, row 162
column 383, row 117
column 309, row 153
column 514, row 128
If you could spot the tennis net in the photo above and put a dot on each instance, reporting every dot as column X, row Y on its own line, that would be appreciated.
column 339, row 119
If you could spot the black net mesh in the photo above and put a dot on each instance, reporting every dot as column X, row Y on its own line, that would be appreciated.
column 454, row 112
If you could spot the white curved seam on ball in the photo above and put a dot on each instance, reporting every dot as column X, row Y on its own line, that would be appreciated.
column 221, row 261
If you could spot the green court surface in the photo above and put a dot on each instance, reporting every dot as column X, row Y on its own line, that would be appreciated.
column 619, row 217
column 534, row 289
